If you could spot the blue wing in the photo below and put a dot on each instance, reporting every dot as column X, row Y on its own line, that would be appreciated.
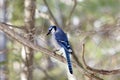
column 63, row 41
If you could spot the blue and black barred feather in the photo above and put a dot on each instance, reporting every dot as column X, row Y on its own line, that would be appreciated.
column 69, row 61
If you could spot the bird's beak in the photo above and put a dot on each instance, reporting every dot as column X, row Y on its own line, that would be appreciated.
column 48, row 33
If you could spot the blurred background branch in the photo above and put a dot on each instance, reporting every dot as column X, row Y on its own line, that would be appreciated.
column 72, row 11
column 51, row 14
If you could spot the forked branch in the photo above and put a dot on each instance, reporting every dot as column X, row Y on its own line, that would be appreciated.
column 100, row 71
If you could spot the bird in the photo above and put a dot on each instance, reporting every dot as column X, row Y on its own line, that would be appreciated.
column 60, row 41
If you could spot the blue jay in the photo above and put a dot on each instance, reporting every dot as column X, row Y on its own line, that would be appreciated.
column 61, row 41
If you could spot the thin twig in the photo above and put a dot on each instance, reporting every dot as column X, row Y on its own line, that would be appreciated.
column 83, row 53
column 18, row 27
column 52, row 16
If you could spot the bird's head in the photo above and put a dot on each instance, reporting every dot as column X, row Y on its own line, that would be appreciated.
column 52, row 30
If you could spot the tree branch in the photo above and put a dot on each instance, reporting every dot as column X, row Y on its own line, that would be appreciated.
column 100, row 71
column 18, row 27
column 70, row 15
column 91, row 75
column 52, row 16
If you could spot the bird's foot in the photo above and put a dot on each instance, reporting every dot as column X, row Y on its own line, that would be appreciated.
column 55, row 51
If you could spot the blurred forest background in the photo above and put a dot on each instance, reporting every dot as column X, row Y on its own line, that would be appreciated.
column 96, row 23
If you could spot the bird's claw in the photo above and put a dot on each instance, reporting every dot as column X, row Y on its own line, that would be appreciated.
column 55, row 51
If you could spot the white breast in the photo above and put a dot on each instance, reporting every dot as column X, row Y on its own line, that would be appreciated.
column 55, row 43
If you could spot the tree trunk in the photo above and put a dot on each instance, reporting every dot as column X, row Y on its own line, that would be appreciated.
column 3, row 41
column 29, row 26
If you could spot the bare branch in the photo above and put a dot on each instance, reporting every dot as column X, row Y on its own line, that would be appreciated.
column 70, row 15
column 91, row 75
column 18, row 27
column 100, row 71
column 83, row 53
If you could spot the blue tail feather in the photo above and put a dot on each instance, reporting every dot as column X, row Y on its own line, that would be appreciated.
column 69, row 61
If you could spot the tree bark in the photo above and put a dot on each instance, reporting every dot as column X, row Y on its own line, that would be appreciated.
column 3, row 41
column 29, row 27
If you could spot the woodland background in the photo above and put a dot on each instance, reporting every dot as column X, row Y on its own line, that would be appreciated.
column 93, row 29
